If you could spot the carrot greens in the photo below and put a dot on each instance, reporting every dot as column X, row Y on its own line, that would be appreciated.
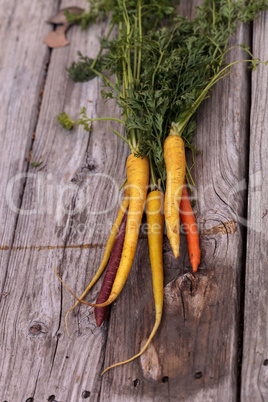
column 163, row 75
column 154, row 12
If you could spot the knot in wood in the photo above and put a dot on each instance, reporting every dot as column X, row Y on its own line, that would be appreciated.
column 188, row 283
column 90, row 167
column 35, row 329
column 185, row 284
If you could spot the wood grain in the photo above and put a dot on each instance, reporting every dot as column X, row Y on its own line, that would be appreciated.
column 255, row 351
column 22, row 77
column 37, row 358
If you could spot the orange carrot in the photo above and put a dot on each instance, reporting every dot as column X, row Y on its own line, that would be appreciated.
column 189, row 224
column 174, row 155
column 155, row 221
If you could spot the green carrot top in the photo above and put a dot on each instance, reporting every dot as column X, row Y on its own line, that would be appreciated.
column 162, row 74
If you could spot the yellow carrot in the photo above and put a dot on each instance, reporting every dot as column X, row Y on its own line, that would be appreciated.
column 138, row 180
column 107, row 251
column 174, row 154
column 155, row 221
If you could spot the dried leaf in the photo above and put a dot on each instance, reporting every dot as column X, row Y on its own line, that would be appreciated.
column 57, row 38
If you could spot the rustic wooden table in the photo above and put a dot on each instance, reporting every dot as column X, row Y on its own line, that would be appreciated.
column 213, row 341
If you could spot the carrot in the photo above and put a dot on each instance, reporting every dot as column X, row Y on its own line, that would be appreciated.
column 174, row 155
column 108, row 280
column 107, row 251
column 138, row 179
column 189, row 224
column 155, row 221
column 137, row 182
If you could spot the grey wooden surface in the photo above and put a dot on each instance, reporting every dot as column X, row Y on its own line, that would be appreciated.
column 255, row 352
column 196, row 354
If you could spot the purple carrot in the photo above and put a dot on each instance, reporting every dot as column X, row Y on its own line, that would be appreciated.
column 110, row 274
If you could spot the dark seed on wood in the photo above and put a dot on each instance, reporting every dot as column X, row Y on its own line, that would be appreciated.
column 198, row 375
column 165, row 379
column 136, row 382
column 30, row 400
column 265, row 363
column 51, row 398
column 91, row 167
column 85, row 394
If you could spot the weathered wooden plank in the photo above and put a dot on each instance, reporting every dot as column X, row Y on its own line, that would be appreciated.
column 37, row 358
column 21, row 75
column 194, row 354
column 255, row 350
column 193, row 357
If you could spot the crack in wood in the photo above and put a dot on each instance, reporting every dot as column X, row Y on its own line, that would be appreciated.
column 63, row 246
column 57, row 341
column 222, row 200
column 36, row 381
column 183, row 307
column 244, row 235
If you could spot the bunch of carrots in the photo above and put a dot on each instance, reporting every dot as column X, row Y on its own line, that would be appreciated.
column 161, row 77
column 122, row 242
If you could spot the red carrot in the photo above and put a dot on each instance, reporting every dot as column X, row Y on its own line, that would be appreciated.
column 100, row 312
